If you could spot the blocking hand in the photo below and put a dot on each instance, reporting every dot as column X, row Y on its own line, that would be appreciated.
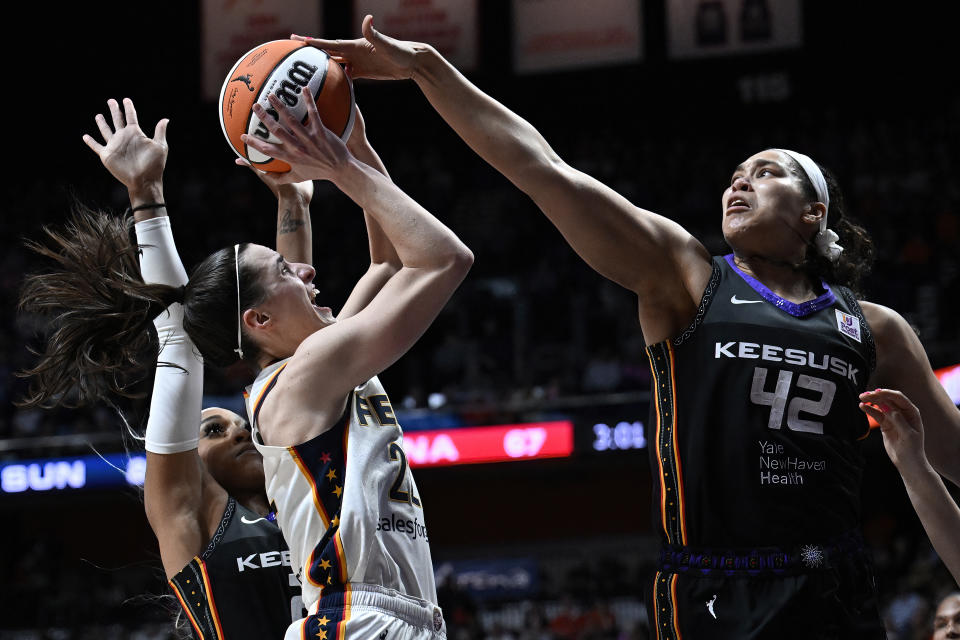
column 374, row 56
column 129, row 155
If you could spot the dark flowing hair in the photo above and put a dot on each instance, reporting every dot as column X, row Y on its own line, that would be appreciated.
column 100, row 337
column 856, row 261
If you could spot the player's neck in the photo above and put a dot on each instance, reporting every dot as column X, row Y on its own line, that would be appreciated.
column 783, row 278
column 255, row 501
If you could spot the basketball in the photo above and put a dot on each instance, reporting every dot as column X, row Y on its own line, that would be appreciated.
column 282, row 67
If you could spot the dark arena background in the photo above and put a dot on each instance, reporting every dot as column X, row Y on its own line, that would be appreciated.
column 554, row 540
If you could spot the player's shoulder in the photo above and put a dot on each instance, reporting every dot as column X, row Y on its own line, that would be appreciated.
column 886, row 323
column 897, row 341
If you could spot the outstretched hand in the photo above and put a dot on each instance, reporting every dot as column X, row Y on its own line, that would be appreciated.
column 900, row 425
column 129, row 155
column 312, row 151
column 374, row 56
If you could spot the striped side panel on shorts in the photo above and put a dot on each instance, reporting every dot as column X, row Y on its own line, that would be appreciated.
column 192, row 588
column 330, row 620
column 665, row 606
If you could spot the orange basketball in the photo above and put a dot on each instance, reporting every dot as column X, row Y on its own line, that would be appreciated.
column 283, row 67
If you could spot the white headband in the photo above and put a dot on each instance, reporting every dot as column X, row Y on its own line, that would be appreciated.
column 236, row 258
column 826, row 239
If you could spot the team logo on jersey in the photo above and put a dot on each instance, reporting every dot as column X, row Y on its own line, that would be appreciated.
column 710, row 606
column 244, row 520
column 848, row 325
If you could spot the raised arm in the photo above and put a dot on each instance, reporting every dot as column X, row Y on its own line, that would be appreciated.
column 294, row 228
column 176, row 486
column 902, row 364
column 434, row 262
column 384, row 261
column 642, row 251
column 294, row 235
column 903, row 436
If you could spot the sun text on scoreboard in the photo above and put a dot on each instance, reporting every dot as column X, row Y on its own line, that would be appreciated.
column 83, row 472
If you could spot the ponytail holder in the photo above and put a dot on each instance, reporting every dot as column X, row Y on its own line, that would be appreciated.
column 181, row 294
column 826, row 243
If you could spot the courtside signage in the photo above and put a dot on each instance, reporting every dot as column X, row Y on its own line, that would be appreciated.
column 949, row 377
column 501, row 443
column 471, row 445
column 84, row 472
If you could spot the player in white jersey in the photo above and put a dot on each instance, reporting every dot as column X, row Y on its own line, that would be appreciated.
column 352, row 515
column 333, row 450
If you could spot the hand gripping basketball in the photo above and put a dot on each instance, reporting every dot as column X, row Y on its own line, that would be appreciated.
column 312, row 151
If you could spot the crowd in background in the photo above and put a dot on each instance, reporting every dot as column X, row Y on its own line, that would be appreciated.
column 531, row 323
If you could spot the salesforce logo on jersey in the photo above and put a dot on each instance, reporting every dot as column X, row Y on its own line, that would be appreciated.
column 490, row 579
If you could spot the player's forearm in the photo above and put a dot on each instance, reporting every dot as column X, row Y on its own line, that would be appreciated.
column 294, row 231
column 149, row 193
column 938, row 513
column 421, row 241
column 502, row 138
column 381, row 249
column 177, row 390
column 944, row 451
column 618, row 240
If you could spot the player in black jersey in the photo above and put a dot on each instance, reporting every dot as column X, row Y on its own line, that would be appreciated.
column 223, row 553
column 758, row 358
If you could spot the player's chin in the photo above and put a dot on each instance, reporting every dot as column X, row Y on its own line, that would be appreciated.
column 253, row 473
column 325, row 314
column 250, row 462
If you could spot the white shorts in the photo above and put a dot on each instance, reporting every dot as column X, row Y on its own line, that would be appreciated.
column 370, row 612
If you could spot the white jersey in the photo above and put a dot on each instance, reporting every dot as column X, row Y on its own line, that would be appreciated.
column 346, row 502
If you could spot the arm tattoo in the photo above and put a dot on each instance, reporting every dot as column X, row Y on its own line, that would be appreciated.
column 289, row 224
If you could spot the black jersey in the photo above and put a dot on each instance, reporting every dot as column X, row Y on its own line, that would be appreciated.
column 241, row 586
column 755, row 423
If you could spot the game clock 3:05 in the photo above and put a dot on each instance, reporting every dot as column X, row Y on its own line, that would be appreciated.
column 623, row 435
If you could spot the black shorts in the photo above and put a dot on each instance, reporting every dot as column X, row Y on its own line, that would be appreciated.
column 814, row 592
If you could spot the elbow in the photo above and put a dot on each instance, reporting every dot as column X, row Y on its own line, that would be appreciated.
column 456, row 262
column 461, row 260
column 542, row 164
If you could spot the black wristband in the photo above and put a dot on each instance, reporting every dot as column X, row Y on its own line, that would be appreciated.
column 152, row 205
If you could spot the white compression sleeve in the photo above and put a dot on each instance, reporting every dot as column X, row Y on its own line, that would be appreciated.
column 174, row 423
